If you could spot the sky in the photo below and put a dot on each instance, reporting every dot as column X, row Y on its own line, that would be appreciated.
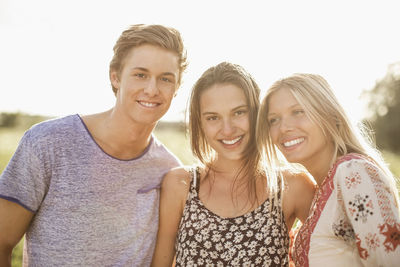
column 54, row 55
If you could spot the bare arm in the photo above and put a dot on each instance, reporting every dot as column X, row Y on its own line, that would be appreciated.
column 305, row 189
column 298, row 195
column 174, row 190
column 14, row 221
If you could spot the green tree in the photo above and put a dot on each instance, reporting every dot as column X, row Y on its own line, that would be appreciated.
column 8, row 119
column 384, row 107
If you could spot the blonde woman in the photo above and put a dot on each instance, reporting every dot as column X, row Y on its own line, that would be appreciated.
column 226, row 212
column 354, row 218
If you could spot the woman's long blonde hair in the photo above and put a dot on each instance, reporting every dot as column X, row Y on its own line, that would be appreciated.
column 320, row 103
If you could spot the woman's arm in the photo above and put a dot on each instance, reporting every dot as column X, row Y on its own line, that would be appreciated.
column 297, row 196
column 370, row 205
column 174, row 190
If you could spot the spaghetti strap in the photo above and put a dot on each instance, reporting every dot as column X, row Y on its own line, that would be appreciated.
column 281, row 187
column 194, row 183
column 194, row 171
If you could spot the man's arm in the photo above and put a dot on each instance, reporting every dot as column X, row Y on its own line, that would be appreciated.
column 14, row 221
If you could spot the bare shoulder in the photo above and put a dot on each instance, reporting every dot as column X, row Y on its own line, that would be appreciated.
column 297, row 181
column 298, row 194
column 177, row 179
column 175, row 188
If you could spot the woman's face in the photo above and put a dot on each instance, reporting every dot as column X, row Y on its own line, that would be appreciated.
column 293, row 132
column 225, row 120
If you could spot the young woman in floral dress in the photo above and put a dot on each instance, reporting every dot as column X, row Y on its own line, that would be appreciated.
column 225, row 212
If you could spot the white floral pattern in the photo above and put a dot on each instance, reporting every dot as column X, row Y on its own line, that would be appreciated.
column 257, row 238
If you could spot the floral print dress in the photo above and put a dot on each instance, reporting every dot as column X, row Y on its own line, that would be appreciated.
column 257, row 238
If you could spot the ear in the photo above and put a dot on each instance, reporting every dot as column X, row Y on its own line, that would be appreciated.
column 114, row 77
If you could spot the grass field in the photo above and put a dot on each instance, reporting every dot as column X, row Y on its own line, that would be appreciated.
column 173, row 138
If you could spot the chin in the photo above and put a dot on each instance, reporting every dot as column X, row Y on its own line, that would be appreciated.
column 292, row 158
column 147, row 119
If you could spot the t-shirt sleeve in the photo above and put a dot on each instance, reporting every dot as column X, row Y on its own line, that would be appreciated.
column 23, row 181
column 371, row 207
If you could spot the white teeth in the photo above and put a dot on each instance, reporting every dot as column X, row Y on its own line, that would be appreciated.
column 231, row 142
column 148, row 104
column 293, row 142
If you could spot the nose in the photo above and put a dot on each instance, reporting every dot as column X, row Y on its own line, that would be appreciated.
column 227, row 127
column 151, row 88
column 286, row 125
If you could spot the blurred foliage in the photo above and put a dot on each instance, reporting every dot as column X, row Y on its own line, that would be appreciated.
column 173, row 136
column 17, row 254
column 19, row 120
column 384, row 107
column 8, row 119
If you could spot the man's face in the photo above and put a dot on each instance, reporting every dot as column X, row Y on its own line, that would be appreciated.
column 147, row 83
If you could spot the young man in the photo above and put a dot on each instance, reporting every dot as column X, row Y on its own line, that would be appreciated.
column 84, row 188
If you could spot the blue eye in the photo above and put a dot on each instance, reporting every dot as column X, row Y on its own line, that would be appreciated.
column 298, row 111
column 165, row 79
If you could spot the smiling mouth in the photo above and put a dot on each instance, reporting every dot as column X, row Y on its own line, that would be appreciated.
column 293, row 142
column 148, row 104
column 233, row 141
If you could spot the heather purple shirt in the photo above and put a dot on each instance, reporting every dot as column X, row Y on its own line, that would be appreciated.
column 90, row 209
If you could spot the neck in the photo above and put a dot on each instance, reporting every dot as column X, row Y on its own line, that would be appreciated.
column 119, row 136
column 128, row 130
column 319, row 172
column 319, row 165
column 228, row 169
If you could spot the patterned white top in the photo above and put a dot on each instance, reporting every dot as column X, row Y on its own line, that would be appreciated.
column 354, row 219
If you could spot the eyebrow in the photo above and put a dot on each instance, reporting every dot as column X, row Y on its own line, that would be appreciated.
column 146, row 70
column 292, row 106
column 213, row 113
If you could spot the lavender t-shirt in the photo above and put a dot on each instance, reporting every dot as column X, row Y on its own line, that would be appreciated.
column 90, row 209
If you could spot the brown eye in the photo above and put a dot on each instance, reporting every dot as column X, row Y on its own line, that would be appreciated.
column 212, row 118
column 273, row 121
column 240, row 112
column 140, row 75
